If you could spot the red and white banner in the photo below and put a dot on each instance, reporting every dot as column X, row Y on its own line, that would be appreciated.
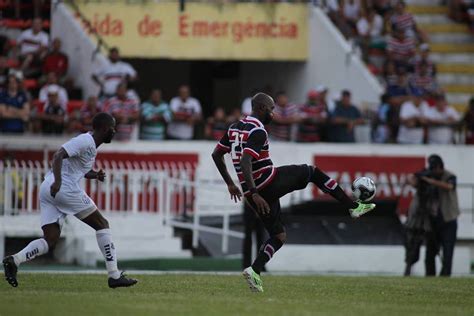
column 390, row 173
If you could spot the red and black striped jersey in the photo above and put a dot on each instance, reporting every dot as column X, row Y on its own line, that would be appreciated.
column 249, row 136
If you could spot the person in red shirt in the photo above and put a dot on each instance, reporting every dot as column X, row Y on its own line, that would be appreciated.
column 217, row 125
column 314, row 114
column 126, row 111
column 56, row 61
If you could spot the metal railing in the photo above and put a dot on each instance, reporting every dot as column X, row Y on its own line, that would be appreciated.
column 169, row 190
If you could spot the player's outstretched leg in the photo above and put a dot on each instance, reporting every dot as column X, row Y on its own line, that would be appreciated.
column 106, row 246
column 37, row 247
column 266, row 252
column 330, row 186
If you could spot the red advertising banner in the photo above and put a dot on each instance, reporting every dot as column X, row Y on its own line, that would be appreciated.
column 390, row 173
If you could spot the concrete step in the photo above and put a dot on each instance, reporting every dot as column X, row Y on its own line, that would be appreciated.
column 457, row 38
column 456, row 68
column 462, row 79
column 432, row 19
column 444, row 28
column 427, row 9
column 459, row 88
column 459, row 98
column 452, row 48
column 454, row 58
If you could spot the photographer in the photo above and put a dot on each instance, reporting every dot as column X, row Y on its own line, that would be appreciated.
column 432, row 217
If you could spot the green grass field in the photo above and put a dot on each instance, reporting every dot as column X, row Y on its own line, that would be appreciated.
column 185, row 294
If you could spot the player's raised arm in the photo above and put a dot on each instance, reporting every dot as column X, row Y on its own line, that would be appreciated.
column 57, row 166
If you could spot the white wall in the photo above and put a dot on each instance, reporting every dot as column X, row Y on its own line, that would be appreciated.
column 78, row 46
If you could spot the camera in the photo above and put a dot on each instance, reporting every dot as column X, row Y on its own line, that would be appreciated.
column 423, row 173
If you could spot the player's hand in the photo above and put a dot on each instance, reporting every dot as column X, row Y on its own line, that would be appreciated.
column 235, row 193
column 55, row 188
column 101, row 175
column 262, row 205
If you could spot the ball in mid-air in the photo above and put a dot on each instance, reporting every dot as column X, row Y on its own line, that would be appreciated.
column 363, row 189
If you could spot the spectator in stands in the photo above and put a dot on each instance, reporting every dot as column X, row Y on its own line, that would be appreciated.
column 469, row 121
column 351, row 11
column 337, row 15
column 217, row 125
column 424, row 58
column 56, row 62
column 325, row 99
column 442, row 119
column 53, row 119
column 343, row 120
column 52, row 79
column 187, row 113
column 405, row 22
column 382, row 7
column 412, row 119
column 115, row 72
column 14, row 107
column 314, row 117
column 381, row 127
column 401, row 91
column 126, row 112
column 390, row 74
column 155, row 115
column 401, row 49
column 423, row 80
column 285, row 118
column 370, row 31
column 3, row 71
column 88, row 111
column 33, row 47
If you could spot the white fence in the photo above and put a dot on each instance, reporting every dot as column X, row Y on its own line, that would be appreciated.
column 168, row 190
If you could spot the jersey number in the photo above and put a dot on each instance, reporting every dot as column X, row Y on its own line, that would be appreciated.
column 236, row 142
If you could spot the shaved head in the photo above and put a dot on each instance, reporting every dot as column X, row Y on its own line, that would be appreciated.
column 262, row 100
column 262, row 107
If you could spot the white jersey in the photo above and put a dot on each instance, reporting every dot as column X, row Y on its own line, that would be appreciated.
column 190, row 107
column 113, row 74
column 31, row 43
column 82, row 152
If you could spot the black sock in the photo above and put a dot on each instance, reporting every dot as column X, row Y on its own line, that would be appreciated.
column 330, row 186
column 265, row 253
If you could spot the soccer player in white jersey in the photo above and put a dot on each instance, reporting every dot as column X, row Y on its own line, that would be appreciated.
column 60, row 195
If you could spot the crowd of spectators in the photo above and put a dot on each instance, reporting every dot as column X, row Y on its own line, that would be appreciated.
column 35, row 94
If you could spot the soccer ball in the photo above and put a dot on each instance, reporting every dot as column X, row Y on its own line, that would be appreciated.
column 363, row 189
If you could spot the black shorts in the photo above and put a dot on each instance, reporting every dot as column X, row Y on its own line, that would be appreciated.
column 287, row 179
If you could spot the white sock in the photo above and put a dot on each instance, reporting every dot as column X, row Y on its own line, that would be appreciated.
column 104, row 240
column 34, row 249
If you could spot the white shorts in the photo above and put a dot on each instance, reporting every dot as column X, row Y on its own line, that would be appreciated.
column 67, row 202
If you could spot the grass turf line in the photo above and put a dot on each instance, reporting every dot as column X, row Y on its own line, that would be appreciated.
column 60, row 294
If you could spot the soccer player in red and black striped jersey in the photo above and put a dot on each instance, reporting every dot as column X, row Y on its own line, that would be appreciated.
column 263, row 185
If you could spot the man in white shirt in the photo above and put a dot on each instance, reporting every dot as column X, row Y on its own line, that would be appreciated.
column 412, row 120
column 52, row 80
column 441, row 121
column 60, row 195
column 113, row 74
column 33, row 44
column 186, row 113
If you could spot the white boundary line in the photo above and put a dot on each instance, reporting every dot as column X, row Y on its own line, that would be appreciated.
column 220, row 273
